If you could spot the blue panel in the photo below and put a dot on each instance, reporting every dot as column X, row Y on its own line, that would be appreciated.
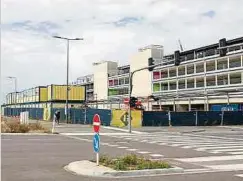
column 155, row 118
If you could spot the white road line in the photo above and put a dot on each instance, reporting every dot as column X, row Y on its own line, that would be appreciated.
column 156, row 155
column 131, row 149
column 236, row 153
column 225, row 150
column 122, row 147
column 91, row 134
column 112, row 145
column 211, row 158
column 163, row 144
column 218, row 147
column 233, row 167
column 143, row 152
column 239, row 175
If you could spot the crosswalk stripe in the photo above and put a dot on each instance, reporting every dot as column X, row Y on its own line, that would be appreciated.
column 236, row 153
column 211, row 158
column 218, row 147
column 232, row 167
column 239, row 175
column 156, row 155
column 226, row 150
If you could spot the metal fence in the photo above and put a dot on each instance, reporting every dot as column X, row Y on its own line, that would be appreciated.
column 193, row 118
column 149, row 118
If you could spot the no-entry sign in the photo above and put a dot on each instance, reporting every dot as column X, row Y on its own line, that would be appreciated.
column 96, row 123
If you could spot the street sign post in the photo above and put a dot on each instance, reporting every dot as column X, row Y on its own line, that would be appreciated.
column 96, row 146
column 96, row 139
column 96, row 123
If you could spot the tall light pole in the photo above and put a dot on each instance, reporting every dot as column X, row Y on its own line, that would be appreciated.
column 67, row 39
column 15, row 82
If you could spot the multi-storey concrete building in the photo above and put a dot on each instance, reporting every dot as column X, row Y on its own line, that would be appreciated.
column 203, row 78
column 88, row 82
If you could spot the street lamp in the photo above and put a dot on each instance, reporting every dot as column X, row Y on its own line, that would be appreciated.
column 15, row 82
column 67, row 39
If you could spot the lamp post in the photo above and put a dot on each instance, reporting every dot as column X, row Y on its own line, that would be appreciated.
column 15, row 82
column 67, row 76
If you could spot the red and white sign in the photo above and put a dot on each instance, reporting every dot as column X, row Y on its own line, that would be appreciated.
column 96, row 123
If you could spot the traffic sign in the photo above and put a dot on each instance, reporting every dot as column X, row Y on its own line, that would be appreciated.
column 96, row 123
column 96, row 143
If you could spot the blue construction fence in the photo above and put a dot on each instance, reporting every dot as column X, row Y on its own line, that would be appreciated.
column 194, row 118
column 150, row 118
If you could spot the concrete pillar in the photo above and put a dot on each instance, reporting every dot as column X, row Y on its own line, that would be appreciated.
column 189, row 106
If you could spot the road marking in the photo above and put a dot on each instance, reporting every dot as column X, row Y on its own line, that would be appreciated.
column 131, row 149
column 233, row 167
column 236, row 153
column 163, row 143
column 239, row 175
column 143, row 152
column 122, row 147
column 112, row 145
column 211, row 158
column 217, row 147
column 91, row 134
column 156, row 155
column 225, row 150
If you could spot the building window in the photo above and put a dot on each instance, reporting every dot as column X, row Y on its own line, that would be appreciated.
column 210, row 66
column 222, row 79
column 199, row 82
column 164, row 86
column 156, row 75
column 121, row 81
column 172, row 85
column 190, row 69
column 182, row 84
column 115, row 82
column 234, row 62
column 172, row 72
column 210, row 81
column 199, row 68
column 222, row 64
column 164, row 73
column 190, row 83
column 156, row 87
column 181, row 70
column 111, row 82
column 127, row 80
column 235, row 78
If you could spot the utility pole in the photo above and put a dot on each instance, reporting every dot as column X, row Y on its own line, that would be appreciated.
column 67, row 76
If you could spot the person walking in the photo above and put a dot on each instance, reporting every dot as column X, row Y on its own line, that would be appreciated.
column 57, row 116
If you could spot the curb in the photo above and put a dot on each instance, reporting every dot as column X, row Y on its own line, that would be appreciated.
column 80, row 168
column 29, row 134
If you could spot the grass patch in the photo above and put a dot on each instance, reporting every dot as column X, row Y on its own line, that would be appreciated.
column 16, row 127
column 131, row 162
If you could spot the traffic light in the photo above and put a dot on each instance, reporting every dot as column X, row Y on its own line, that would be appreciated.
column 133, row 101
column 151, row 63
column 177, row 58
column 222, row 51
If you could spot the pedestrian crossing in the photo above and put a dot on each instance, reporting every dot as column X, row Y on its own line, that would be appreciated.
column 230, row 149
column 200, row 143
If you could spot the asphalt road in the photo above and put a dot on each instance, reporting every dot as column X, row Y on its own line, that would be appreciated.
column 40, row 158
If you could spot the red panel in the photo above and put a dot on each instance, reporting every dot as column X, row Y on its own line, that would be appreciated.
column 111, row 83
column 156, row 75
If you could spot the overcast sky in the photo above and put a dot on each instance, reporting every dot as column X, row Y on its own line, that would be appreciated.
column 112, row 30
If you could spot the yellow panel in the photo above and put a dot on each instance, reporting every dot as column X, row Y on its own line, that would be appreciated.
column 43, row 94
column 120, row 118
column 59, row 93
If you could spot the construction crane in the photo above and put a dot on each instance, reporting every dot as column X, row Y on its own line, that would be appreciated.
column 180, row 45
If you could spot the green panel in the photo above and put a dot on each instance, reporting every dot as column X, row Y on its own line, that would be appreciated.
column 156, row 87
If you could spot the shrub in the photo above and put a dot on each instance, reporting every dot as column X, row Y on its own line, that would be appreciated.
column 132, row 162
